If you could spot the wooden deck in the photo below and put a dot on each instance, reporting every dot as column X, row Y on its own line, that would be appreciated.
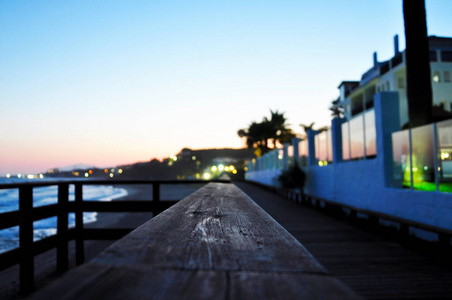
column 215, row 244
column 374, row 267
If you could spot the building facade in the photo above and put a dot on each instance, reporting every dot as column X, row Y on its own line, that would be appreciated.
column 357, row 96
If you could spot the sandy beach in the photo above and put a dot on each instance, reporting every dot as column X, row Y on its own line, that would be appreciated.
column 45, row 263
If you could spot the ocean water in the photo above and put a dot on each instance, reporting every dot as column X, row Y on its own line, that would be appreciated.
column 9, row 201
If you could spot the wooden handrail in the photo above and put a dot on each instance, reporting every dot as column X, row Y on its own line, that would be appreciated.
column 215, row 243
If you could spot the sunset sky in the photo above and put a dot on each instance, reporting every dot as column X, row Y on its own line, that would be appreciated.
column 116, row 82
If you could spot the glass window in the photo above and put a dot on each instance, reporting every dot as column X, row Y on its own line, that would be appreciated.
column 357, row 138
column 371, row 134
column 423, row 155
column 446, row 56
column 345, row 141
column 303, row 152
column 329, row 146
column 321, row 147
column 444, row 139
column 446, row 76
column 290, row 154
column 433, row 56
column 436, row 77
column 401, row 159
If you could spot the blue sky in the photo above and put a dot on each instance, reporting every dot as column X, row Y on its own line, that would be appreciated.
column 114, row 82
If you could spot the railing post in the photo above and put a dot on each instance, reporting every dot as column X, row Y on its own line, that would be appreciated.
column 26, row 239
column 62, row 227
column 156, row 191
column 79, row 241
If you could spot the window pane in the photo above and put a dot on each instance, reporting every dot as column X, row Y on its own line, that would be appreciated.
column 357, row 138
column 303, row 152
column 290, row 154
column 329, row 140
column 323, row 146
column 444, row 133
column 345, row 141
column 446, row 55
column 423, row 158
column 371, row 134
column 401, row 159
column 446, row 76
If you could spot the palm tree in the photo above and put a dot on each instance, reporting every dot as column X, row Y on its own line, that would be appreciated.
column 281, row 133
column 337, row 111
column 308, row 127
column 275, row 129
column 419, row 88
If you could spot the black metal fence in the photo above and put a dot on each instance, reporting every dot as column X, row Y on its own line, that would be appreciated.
column 27, row 214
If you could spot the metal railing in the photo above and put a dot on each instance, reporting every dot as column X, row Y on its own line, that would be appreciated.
column 27, row 214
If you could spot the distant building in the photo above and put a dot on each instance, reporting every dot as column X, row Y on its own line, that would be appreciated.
column 390, row 75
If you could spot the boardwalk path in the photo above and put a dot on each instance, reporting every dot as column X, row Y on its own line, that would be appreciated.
column 374, row 267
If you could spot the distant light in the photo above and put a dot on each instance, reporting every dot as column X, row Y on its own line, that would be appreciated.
column 120, row 171
column 246, row 169
column 221, row 167
column 86, row 174
column 106, row 170
column 30, row 176
column 414, row 169
column 111, row 175
column 19, row 175
column 8, row 175
column 280, row 156
column 112, row 170
column 193, row 157
column 444, row 155
column 206, row 176
column 231, row 167
column 90, row 172
column 321, row 163
column 214, row 168
column 226, row 169
column 41, row 176
column 175, row 158
column 425, row 168
column 234, row 172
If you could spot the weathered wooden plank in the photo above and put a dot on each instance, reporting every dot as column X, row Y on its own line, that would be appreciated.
column 216, row 243
column 217, row 227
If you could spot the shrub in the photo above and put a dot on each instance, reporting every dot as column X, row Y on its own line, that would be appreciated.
column 293, row 178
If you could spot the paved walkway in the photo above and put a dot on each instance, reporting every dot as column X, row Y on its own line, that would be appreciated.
column 371, row 265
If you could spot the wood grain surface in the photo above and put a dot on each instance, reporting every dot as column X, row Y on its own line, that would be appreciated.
column 216, row 243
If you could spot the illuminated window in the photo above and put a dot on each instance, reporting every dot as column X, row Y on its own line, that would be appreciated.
column 436, row 77
column 446, row 76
